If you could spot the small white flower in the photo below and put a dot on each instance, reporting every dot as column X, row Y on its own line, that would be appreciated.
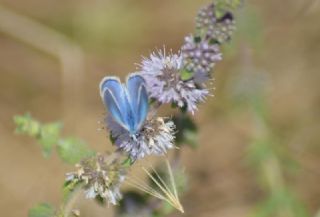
column 101, row 178
column 90, row 193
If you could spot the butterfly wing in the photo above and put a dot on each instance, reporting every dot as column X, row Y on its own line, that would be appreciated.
column 138, row 98
column 114, row 97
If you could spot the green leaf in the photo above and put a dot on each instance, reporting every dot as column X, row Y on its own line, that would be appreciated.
column 50, row 134
column 127, row 162
column 186, row 75
column 27, row 125
column 41, row 210
column 47, row 135
column 72, row 150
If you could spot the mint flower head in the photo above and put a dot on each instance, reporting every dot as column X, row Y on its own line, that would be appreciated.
column 162, row 73
column 218, row 28
column 155, row 137
column 101, row 175
column 199, row 57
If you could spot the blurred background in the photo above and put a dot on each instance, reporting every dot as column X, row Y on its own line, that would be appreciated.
column 258, row 136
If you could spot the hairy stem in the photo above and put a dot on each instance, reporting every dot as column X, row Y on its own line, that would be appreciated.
column 69, row 205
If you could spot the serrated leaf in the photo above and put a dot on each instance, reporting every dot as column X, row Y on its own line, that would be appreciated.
column 72, row 150
column 47, row 135
column 50, row 134
column 26, row 125
column 41, row 210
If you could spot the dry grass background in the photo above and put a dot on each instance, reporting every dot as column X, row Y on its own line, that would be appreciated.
column 113, row 35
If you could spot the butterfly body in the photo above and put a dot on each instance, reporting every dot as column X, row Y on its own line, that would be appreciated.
column 127, row 103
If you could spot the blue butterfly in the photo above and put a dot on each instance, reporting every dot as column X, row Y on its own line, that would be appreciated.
column 127, row 104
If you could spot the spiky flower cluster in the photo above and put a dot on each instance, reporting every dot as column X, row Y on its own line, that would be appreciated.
column 101, row 175
column 200, row 56
column 217, row 28
column 223, row 29
column 156, row 136
column 206, row 17
column 181, row 78
column 164, row 83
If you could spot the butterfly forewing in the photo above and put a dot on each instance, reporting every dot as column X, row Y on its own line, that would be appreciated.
column 138, row 98
column 114, row 97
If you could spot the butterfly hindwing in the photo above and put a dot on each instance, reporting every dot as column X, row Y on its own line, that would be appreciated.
column 138, row 98
column 115, row 99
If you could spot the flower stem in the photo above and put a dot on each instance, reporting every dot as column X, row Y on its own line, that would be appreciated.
column 69, row 204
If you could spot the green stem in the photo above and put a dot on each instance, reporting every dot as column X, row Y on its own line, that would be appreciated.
column 69, row 204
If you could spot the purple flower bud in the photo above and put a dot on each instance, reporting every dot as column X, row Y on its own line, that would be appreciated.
column 219, row 29
column 206, row 55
